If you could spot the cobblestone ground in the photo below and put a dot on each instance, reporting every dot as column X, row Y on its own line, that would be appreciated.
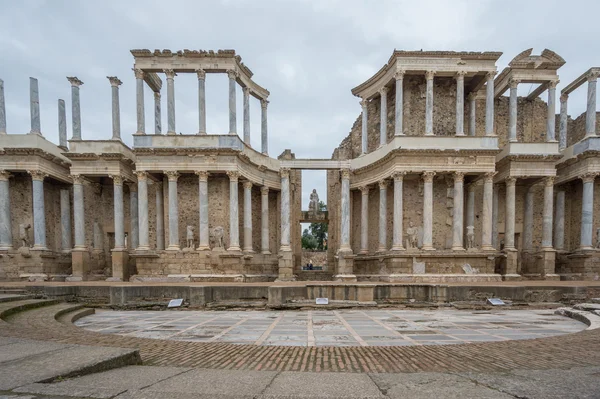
column 334, row 328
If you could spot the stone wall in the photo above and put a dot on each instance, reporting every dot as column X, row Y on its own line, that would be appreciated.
column 576, row 128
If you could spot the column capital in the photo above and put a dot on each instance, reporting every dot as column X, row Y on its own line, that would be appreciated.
column 246, row 90
column 75, row 82
column 491, row 75
column 157, row 95
column 284, row 173
column 489, row 177
column 459, row 176
column 511, row 181
column 398, row 176
column 460, row 75
column 77, row 179
column 364, row 190
column 139, row 73
column 345, row 173
column 234, row 175
column 264, row 190
column 117, row 180
column 232, row 74
column 132, row 186
column 472, row 96
column 169, row 73
column 588, row 177
column 141, row 175
column 172, row 175
column 564, row 97
column 382, row 184
column 5, row 175
column 202, row 175
column 428, row 176
column 114, row 81
column 383, row 91
column 553, row 83
column 429, row 75
column 399, row 74
column 513, row 83
column 201, row 73
column 592, row 76
column 247, row 185
column 264, row 103
column 364, row 103
column 549, row 181
column 37, row 175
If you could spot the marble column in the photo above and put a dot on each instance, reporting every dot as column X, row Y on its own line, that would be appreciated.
column 116, row 112
column 512, row 111
column 509, row 224
column 590, row 113
column 551, row 115
column 75, row 107
column 62, row 125
column 34, row 106
column 160, row 217
column 170, row 74
column 345, row 212
column 528, row 219
column 65, row 221
column 559, row 221
column 119, row 214
column 232, row 75
column 487, row 212
column 78, row 212
column 364, row 133
column 234, row 219
column 157, row 114
column 399, row 111
column 39, row 212
column 201, row 101
column 397, row 228
column 489, row 104
column 429, row 104
column 382, row 216
column 285, row 210
column 246, row 92
column 139, row 101
column 173, row 211
column 470, row 219
column 587, row 211
column 2, row 109
column 6, row 241
column 547, row 212
column 460, row 103
column 562, row 128
column 472, row 114
column 139, row 211
column 383, row 116
column 428, row 211
column 458, row 216
column 264, row 135
column 364, row 220
column 264, row 220
column 248, row 217
column 495, row 201
column 203, row 234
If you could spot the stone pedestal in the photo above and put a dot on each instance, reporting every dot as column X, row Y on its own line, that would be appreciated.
column 509, row 267
column 548, row 264
column 286, row 266
column 345, row 267
column 80, row 259
column 120, row 269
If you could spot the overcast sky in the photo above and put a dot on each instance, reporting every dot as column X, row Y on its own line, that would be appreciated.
column 308, row 54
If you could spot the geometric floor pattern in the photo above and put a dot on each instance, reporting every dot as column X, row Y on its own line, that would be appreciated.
column 334, row 328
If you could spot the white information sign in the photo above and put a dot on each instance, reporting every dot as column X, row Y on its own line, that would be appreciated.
column 175, row 303
column 322, row 301
column 495, row 301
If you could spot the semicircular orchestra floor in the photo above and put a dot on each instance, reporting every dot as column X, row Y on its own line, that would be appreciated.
column 334, row 328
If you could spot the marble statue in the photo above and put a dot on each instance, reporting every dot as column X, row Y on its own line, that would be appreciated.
column 470, row 237
column 313, row 205
column 217, row 236
column 190, row 237
column 412, row 240
column 125, row 240
column 24, row 234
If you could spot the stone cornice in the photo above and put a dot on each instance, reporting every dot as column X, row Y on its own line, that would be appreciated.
column 27, row 152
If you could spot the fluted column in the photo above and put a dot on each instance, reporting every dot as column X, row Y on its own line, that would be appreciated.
column 232, row 75
column 429, row 103
column 65, row 221
column 285, row 210
column 512, row 111
column 495, row 201
column 457, row 216
column 460, row 103
column 139, row 101
column 428, row 211
column 345, row 212
column 489, row 104
column 559, row 221
column 34, row 107
column 547, row 212
column 528, row 219
column 382, row 216
column 2, row 109
column 551, row 115
column 397, row 229
column 488, row 203
column 170, row 74
column 509, row 224
column 116, row 112
column 78, row 212
column 75, row 107
column 562, row 129
column 587, row 210
column 248, row 217
column 364, row 132
column 157, row 114
column 6, row 241
column 264, row 220
column 246, row 92
column 203, row 239
column 119, row 216
column 472, row 114
column 62, row 125
column 173, row 211
column 264, row 135
column 364, row 220
column 142, row 233
column 234, row 219
column 160, row 217
column 399, row 111
column 383, row 116
column 590, row 113
column 39, row 212
column 201, row 101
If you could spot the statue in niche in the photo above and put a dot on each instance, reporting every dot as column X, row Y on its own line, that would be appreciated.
column 190, row 237
column 216, row 236
column 313, row 205
column 126, row 239
column 412, row 240
column 24, row 234
column 470, row 237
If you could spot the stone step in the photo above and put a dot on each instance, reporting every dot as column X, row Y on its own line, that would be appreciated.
column 14, row 291
column 12, row 298
column 10, row 308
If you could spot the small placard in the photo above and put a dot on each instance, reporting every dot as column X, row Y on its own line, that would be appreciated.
column 495, row 301
column 175, row 303
column 322, row 301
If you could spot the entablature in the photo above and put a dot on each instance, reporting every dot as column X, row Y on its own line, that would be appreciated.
column 523, row 151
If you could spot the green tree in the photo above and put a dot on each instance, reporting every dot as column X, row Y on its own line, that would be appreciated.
column 319, row 230
column 308, row 240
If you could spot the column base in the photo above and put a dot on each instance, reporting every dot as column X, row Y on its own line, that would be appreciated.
column 398, row 248
column 265, row 252
column 286, row 267
column 201, row 133
column 139, row 133
column 234, row 249
column 457, row 248
column 349, row 278
column 429, row 134
column 487, row 248
column 363, row 252
column 233, row 133
column 120, row 265
column 142, row 248
column 248, row 250
column 203, row 248
column 382, row 249
column 173, row 248
column 171, row 133
column 428, row 248
column 80, row 259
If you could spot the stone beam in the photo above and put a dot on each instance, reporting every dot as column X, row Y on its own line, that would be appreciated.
column 580, row 80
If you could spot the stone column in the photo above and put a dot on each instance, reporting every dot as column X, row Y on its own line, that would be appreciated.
column 345, row 212
column 383, row 117
column 285, row 210
column 139, row 212
column 460, row 103
column 528, row 220
column 472, row 114
column 203, row 234
column 399, row 111
column 139, row 101
column 547, row 212
column 62, row 125
column 397, row 227
column 590, row 113
column 2, row 109
column 39, row 213
column 201, row 101
column 264, row 220
column 170, row 74
column 116, row 113
column 75, row 107
column 551, row 117
column 6, row 241
column 489, row 104
column 246, row 92
column 160, row 217
column 248, row 217
column 263, row 127
column 559, row 221
column 157, row 114
column 232, row 75
column 429, row 104
column 458, row 216
column 587, row 210
column 34, row 106
column 65, row 221
column 509, row 228
column 234, row 220
column 562, row 129
column 486, row 222
column 365, row 118
column 382, row 216
column 119, row 215
column 428, row 211
column 173, row 211
column 364, row 220
column 512, row 111
column 495, row 194
column 78, row 212
column 471, row 204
